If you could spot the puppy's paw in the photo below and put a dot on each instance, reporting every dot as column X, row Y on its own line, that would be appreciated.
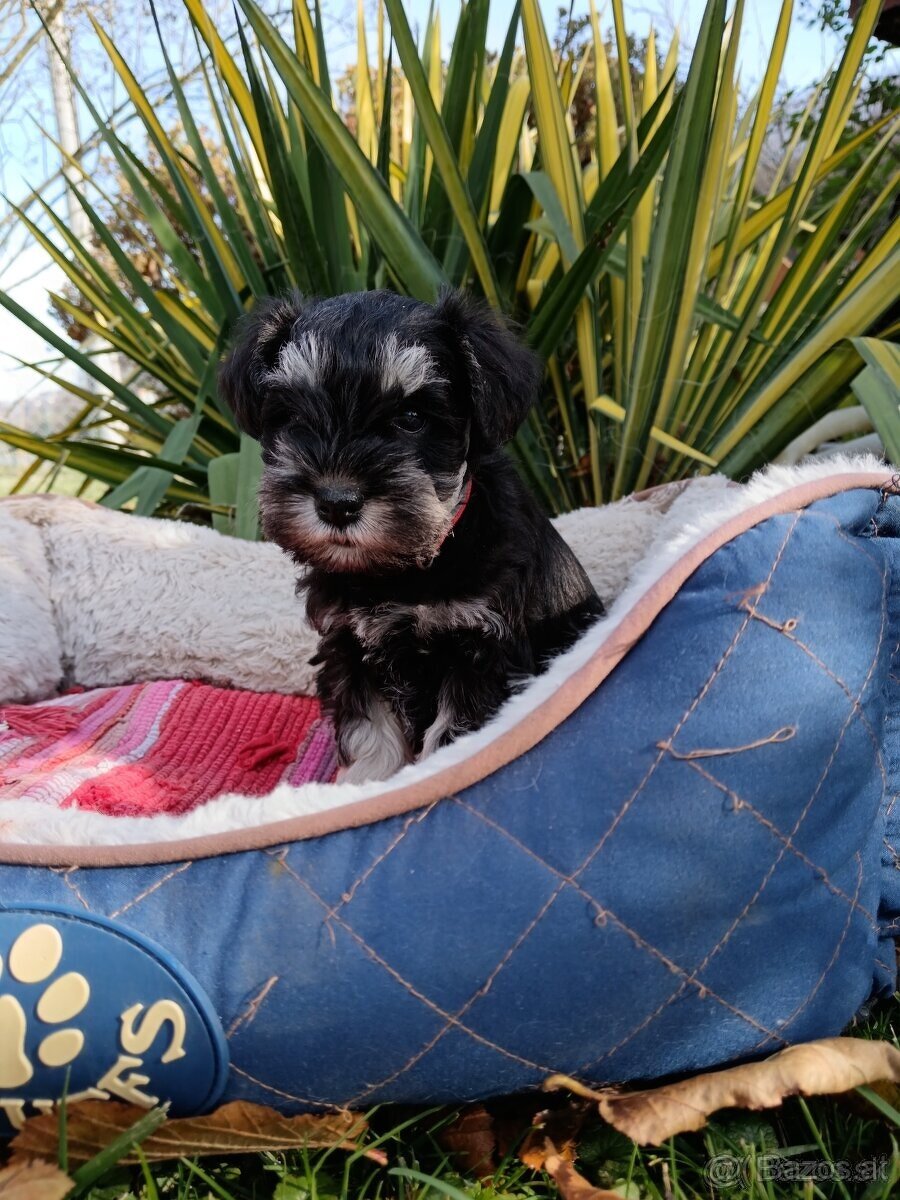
column 358, row 772
column 364, row 770
column 375, row 745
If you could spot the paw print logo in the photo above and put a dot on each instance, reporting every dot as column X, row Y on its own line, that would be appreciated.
column 32, row 961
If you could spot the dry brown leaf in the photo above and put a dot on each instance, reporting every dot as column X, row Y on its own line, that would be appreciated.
column 482, row 1135
column 816, row 1068
column 553, row 1132
column 29, row 1180
column 235, row 1128
column 537, row 1148
column 573, row 1186
column 472, row 1141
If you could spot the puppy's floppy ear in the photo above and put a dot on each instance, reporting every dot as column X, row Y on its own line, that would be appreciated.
column 260, row 335
column 505, row 375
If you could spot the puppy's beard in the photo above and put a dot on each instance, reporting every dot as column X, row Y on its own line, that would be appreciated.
column 293, row 522
column 393, row 532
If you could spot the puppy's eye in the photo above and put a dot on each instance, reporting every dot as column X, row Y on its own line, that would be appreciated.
column 410, row 421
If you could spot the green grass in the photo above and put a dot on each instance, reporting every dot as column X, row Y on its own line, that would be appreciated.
column 842, row 1147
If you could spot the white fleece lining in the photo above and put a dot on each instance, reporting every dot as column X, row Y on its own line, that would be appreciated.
column 635, row 542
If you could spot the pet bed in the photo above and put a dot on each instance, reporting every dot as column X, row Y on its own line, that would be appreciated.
column 674, row 850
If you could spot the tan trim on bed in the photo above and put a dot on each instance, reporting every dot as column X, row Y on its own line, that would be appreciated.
column 513, row 742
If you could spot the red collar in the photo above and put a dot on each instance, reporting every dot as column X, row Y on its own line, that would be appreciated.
column 458, row 511
column 461, row 503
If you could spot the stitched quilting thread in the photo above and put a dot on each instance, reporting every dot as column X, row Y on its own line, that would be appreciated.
column 780, row 735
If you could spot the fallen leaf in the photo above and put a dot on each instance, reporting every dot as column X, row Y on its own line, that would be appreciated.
column 817, row 1068
column 235, row 1128
column 553, row 1132
column 29, row 1180
column 472, row 1140
column 573, row 1186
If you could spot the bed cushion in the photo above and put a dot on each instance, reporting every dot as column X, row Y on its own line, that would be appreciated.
column 30, row 654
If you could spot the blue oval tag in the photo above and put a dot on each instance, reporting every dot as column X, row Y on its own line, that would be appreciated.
column 83, row 997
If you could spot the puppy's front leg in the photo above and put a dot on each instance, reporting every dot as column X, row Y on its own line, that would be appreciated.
column 370, row 741
column 479, row 676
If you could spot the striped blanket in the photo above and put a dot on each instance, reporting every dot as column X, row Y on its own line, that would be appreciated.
column 162, row 747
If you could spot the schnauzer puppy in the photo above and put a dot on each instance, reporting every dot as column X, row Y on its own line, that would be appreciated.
column 436, row 583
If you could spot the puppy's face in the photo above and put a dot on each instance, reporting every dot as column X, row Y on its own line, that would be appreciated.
column 368, row 411
column 364, row 444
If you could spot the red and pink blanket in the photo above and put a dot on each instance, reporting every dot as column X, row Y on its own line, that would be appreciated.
column 162, row 747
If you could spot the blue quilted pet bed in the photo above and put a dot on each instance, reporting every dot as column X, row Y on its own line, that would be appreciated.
column 676, row 850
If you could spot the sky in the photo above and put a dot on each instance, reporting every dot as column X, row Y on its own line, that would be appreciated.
column 27, row 274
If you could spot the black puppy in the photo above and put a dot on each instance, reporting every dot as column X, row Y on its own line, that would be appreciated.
column 437, row 585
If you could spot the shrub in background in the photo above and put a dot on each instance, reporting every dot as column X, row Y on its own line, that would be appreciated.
column 690, row 322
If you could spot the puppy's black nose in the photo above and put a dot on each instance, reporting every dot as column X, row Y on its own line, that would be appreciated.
column 339, row 506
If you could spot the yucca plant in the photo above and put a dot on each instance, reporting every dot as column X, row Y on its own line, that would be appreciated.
column 689, row 321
